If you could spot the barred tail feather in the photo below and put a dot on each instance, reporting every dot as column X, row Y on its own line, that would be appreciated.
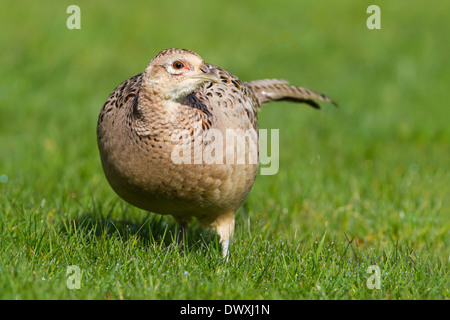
column 278, row 89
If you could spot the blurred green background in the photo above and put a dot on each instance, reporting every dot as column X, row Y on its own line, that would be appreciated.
column 376, row 168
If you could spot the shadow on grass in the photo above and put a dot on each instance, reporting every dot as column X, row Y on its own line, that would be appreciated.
column 121, row 221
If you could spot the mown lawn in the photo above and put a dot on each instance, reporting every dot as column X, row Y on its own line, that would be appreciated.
column 365, row 184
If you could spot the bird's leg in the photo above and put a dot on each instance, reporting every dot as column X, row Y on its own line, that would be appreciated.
column 225, row 228
column 225, row 251
column 182, row 232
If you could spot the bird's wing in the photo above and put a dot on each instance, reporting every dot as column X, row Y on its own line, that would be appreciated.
column 123, row 93
column 231, row 98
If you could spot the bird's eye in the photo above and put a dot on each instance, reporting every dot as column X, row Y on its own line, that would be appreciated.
column 178, row 65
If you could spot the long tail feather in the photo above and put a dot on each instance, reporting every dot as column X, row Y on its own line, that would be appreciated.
column 267, row 90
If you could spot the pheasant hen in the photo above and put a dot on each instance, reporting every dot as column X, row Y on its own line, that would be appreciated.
column 161, row 137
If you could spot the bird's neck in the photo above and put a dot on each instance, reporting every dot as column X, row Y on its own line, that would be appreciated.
column 151, row 107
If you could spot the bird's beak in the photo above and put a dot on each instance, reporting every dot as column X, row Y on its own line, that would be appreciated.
column 207, row 74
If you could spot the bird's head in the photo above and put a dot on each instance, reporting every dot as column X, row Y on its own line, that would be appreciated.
column 175, row 73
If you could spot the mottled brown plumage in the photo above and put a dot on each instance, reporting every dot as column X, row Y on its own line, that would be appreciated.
column 178, row 101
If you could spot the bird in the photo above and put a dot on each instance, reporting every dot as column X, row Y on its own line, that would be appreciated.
column 181, row 101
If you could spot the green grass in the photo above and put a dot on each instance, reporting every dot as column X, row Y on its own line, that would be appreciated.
column 365, row 184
